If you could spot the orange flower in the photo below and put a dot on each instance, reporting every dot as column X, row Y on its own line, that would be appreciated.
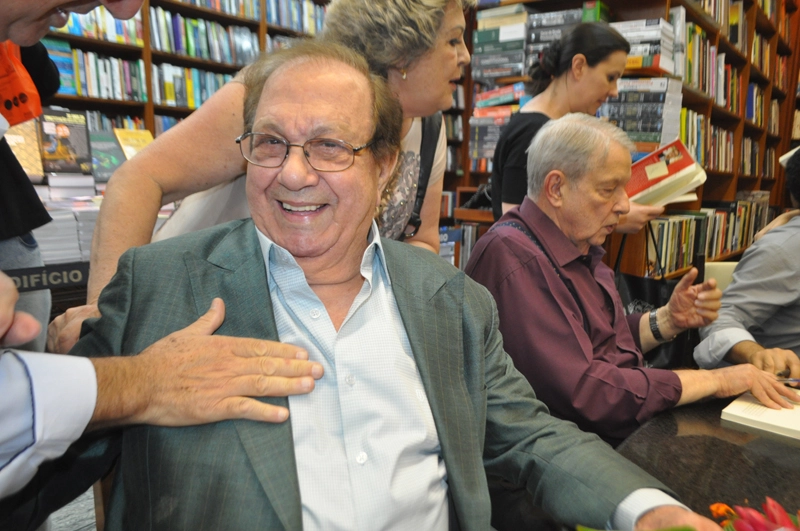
column 720, row 510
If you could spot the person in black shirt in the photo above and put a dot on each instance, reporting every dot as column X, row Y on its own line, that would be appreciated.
column 574, row 74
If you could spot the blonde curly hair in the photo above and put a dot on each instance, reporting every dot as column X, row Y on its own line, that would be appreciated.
column 388, row 33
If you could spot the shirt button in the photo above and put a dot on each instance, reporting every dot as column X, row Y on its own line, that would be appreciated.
column 350, row 379
column 315, row 313
column 362, row 458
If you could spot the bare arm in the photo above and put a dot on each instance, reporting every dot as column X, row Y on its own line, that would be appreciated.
column 733, row 381
column 195, row 155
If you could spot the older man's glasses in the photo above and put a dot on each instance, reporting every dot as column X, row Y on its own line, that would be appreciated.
column 323, row 154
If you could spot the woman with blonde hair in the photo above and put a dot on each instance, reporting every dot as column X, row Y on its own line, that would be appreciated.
column 418, row 45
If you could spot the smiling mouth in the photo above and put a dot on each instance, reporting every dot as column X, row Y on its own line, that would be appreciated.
column 303, row 208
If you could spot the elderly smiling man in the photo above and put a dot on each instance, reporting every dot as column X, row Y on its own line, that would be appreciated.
column 418, row 402
column 560, row 314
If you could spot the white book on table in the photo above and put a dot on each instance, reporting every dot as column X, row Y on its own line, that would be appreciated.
column 749, row 412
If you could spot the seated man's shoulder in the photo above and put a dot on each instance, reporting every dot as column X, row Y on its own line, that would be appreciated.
column 423, row 267
column 201, row 241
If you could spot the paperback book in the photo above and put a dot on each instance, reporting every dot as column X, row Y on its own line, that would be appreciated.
column 748, row 413
column 664, row 176
column 107, row 155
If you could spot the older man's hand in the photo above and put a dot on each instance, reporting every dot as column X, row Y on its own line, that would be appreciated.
column 692, row 306
column 193, row 377
column 738, row 379
column 64, row 331
column 674, row 516
column 16, row 327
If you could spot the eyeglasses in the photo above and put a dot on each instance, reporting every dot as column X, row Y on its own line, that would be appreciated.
column 323, row 154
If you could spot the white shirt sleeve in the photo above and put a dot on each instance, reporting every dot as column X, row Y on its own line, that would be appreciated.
column 711, row 351
column 636, row 504
column 47, row 402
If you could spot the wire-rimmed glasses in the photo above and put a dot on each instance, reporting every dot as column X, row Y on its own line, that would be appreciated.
column 323, row 154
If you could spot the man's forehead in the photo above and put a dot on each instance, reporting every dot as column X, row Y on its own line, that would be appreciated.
column 324, row 95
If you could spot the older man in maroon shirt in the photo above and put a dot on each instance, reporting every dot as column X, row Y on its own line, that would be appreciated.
column 560, row 314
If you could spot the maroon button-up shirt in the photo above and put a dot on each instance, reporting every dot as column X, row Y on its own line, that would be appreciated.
column 596, row 378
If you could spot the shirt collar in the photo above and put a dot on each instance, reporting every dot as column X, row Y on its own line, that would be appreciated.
column 281, row 257
column 555, row 242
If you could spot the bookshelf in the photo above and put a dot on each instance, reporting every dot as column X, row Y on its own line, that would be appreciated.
column 259, row 22
column 766, row 65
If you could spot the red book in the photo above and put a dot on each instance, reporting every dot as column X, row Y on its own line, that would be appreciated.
column 664, row 176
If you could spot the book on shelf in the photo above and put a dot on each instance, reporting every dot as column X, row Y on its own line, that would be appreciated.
column 747, row 413
column 659, row 61
column 664, row 176
column 504, row 20
column 502, row 11
column 24, row 142
column 65, row 141
column 133, row 141
column 60, row 53
column 677, row 17
column 107, row 155
column 501, row 95
column 555, row 18
column 737, row 25
column 512, row 32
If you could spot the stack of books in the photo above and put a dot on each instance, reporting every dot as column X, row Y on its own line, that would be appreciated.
column 647, row 109
column 510, row 37
column 499, row 43
column 58, row 240
column 651, row 43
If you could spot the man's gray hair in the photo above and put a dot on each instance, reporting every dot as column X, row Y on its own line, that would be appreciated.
column 574, row 144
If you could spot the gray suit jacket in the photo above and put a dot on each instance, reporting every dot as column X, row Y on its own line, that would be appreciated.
column 241, row 474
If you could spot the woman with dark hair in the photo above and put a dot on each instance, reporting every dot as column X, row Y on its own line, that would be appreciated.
column 574, row 74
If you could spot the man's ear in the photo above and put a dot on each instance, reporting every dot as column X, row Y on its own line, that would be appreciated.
column 579, row 65
column 387, row 170
column 554, row 184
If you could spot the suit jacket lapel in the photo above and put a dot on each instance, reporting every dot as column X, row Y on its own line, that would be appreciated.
column 431, row 306
column 235, row 272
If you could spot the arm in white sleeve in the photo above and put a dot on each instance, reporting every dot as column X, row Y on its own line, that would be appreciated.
column 47, row 402
column 636, row 504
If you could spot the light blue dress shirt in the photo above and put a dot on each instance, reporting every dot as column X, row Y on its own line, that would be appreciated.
column 367, row 451
column 46, row 403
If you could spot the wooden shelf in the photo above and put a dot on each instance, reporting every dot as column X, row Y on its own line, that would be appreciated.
column 123, row 51
column 82, row 103
column 193, row 11
column 474, row 214
column 194, row 62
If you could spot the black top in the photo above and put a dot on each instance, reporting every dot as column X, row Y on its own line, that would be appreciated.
column 21, row 211
column 509, row 173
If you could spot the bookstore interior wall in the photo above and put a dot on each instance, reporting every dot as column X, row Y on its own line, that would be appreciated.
column 729, row 95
